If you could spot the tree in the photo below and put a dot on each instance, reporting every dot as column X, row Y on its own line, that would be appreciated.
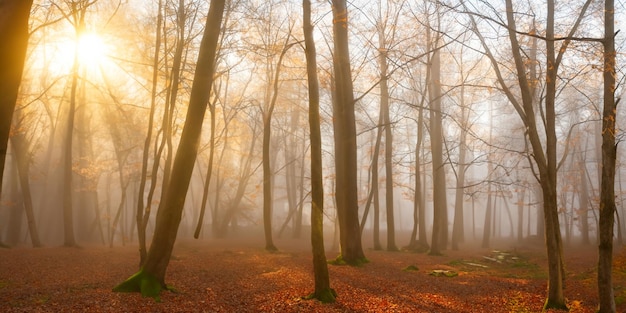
column 21, row 150
column 141, row 216
column 14, row 15
column 77, row 19
column 440, row 206
column 345, row 141
column 418, row 240
column 544, row 152
column 609, row 155
column 150, row 279
column 267, row 133
column 322, row 292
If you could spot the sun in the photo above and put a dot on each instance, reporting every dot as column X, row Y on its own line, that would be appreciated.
column 91, row 49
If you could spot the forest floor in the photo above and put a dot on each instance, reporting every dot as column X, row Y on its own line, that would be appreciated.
column 239, row 276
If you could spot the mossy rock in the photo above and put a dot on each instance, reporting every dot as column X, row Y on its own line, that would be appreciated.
column 411, row 268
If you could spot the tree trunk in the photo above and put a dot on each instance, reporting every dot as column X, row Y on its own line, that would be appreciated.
column 345, row 141
column 583, row 199
column 68, row 218
column 440, row 206
column 374, row 192
column 20, row 148
column 322, row 292
column 487, row 225
column 458, row 229
column 14, row 15
column 13, row 201
column 609, row 155
column 150, row 279
column 384, row 109
column 140, row 220
column 267, row 171
column 521, row 194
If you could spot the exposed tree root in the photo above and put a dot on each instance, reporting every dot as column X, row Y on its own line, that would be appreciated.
column 341, row 261
column 553, row 305
column 325, row 296
column 143, row 282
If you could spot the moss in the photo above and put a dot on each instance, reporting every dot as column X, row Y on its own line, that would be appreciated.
column 325, row 296
column 553, row 305
column 339, row 260
column 143, row 282
column 620, row 297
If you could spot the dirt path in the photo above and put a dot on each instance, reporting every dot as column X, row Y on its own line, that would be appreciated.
column 227, row 276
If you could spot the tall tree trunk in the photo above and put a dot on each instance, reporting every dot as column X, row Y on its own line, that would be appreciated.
column 78, row 15
column 440, row 206
column 583, row 199
column 374, row 187
column 21, row 151
column 521, row 194
column 172, row 95
column 140, row 220
column 14, row 15
column 345, row 141
column 13, row 202
column 267, row 171
column 609, row 155
column 209, row 171
column 150, row 279
column 458, row 229
column 322, row 292
column 548, row 175
column 384, row 109
column 487, row 225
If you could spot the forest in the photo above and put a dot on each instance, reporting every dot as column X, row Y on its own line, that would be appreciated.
column 359, row 153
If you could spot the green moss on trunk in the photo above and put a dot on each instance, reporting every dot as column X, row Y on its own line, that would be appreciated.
column 325, row 296
column 341, row 261
column 554, row 305
column 143, row 282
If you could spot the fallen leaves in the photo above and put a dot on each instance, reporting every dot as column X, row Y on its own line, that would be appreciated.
column 212, row 276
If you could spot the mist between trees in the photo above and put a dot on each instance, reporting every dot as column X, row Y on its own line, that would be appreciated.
column 443, row 124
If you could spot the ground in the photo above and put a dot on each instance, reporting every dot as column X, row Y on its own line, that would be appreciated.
column 235, row 276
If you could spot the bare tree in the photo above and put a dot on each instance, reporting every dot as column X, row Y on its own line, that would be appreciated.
column 22, row 157
column 440, row 206
column 14, row 15
column 322, row 291
column 345, row 141
column 609, row 155
column 150, row 279
column 544, row 152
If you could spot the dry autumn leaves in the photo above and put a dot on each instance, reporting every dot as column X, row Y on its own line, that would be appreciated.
column 239, row 276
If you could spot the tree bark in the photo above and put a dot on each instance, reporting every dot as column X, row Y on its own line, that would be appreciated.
column 384, row 109
column 609, row 155
column 150, row 279
column 458, row 228
column 14, row 15
column 345, row 141
column 440, row 206
column 78, row 15
column 322, row 292
column 140, row 220
column 20, row 148
column 267, row 171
